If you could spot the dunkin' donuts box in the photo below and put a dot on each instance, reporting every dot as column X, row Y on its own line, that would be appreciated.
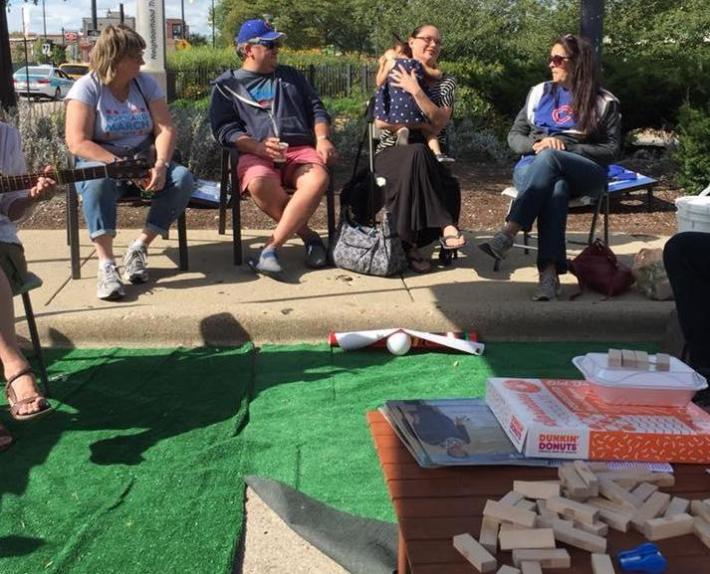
column 566, row 419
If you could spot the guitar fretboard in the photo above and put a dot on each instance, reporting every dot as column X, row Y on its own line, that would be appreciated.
column 10, row 183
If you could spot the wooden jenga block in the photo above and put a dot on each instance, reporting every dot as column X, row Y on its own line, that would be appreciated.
column 602, row 564
column 505, row 569
column 613, row 359
column 512, row 498
column 663, row 362
column 623, row 508
column 526, row 505
column 489, row 534
column 475, row 553
column 579, row 538
column 598, row 528
column 528, row 567
column 662, row 528
column 702, row 530
column 655, row 505
column 527, row 538
column 506, row 513
column 543, row 522
column 539, row 489
column 570, row 480
column 628, row 359
column 701, row 509
column 677, row 505
column 662, row 479
column 582, row 512
column 557, row 558
column 596, row 466
column 615, row 493
column 589, row 478
column 507, row 526
column 642, row 360
column 643, row 491
column 611, row 514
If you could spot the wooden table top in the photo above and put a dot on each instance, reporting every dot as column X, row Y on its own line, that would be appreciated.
column 433, row 505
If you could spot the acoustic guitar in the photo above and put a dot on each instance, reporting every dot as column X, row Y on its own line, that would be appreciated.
column 127, row 169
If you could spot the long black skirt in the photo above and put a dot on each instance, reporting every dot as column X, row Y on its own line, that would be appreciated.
column 421, row 194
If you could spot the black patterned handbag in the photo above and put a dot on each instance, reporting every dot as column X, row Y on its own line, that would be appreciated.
column 363, row 244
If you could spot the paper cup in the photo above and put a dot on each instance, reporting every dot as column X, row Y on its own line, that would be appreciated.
column 283, row 146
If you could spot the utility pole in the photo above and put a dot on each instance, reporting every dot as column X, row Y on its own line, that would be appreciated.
column 182, row 19
column 94, row 18
column 44, row 21
column 120, row 12
column 592, row 24
column 213, row 24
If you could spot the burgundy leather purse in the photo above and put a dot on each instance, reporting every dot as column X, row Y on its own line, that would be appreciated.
column 598, row 269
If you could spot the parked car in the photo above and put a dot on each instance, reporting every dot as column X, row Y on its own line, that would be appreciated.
column 74, row 70
column 44, row 81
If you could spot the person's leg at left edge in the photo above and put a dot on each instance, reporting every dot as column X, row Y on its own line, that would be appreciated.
column 23, row 395
column 166, row 206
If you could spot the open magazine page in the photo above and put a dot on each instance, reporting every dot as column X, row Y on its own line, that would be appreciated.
column 406, row 435
column 459, row 432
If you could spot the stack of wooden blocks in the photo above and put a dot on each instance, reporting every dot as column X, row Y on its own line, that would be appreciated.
column 626, row 359
column 578, row 510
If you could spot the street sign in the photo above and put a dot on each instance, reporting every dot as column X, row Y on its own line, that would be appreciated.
column 47, row 49
column 93, row 33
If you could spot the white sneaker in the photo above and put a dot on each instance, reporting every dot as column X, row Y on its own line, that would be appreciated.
column 135, row 268
column 108, row 284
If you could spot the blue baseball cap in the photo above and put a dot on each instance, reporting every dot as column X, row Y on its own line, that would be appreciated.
column 257, row 30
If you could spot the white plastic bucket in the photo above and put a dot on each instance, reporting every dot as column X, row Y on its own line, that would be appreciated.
column 694, row 212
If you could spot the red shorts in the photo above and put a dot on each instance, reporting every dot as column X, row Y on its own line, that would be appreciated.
column 252, row 166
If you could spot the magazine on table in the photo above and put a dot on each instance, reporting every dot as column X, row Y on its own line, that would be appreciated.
column 454, row 432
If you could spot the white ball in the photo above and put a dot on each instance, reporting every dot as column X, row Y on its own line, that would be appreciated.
column 399, row 343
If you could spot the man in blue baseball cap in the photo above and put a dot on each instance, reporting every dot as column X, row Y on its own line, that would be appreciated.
column 274, row 118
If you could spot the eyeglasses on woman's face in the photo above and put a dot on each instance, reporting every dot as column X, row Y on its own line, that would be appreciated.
column 429, row 40
column 556, row 60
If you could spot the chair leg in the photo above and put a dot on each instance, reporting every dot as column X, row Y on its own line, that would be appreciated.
column 223, row 184
column 34, row 336
column 73, row 231
column 236, row 212
column 182, row 241
column 237, row 230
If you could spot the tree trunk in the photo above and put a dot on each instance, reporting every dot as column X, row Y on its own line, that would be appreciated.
column 591, row 24
column 7, row 87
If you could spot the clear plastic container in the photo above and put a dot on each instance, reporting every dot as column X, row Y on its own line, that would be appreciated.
column 623, row 386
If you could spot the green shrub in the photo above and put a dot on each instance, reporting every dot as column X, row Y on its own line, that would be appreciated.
column 693, row 153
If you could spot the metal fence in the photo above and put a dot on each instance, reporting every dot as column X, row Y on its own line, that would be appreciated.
column 329, row 80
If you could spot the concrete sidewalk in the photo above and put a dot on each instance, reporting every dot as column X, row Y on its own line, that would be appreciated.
column 217, row 303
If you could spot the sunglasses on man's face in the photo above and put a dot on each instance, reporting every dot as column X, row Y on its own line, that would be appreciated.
column 268, row 44
column 557, row 61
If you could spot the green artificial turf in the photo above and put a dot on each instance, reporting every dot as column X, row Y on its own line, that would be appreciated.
column 141, row 469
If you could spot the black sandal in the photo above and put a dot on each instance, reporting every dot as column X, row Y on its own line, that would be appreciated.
column 448, row 253
column 14, row 403
column 417, row 262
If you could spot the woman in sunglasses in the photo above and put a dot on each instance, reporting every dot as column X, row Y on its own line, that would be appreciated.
column 420, row 192
column 567, row 133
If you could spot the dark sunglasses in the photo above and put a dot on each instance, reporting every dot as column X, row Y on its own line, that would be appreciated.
column 268, row 44
column 557, row 61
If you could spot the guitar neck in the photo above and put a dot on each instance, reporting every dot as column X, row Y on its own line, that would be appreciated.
column 10, row 183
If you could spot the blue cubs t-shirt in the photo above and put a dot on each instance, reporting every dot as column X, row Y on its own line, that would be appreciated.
column 554, row 111
column 553, row 114
column 119, row 125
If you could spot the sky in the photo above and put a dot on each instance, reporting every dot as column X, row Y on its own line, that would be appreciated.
column 69, row 14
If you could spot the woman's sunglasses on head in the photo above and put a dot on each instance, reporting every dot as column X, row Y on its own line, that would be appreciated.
column 557, row 61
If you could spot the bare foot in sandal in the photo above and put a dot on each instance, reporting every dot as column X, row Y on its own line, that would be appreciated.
column 25, row 400
column 452, row 238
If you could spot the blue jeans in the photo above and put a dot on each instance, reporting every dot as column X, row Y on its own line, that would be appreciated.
column 99, row 196
column 545, row 187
